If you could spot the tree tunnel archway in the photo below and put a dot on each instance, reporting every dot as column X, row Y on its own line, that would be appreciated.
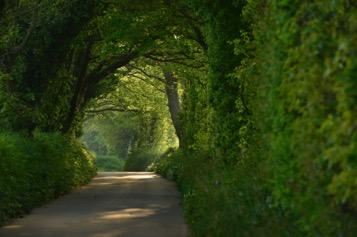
column 267, row 92
column 86, row 48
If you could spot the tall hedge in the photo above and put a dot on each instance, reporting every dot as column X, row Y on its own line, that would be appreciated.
column 272, row 145
column 306, row 68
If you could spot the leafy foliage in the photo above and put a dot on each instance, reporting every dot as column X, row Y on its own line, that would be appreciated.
column 267, row 92
column 38, row 169
column 109, row 163
column 271, row 145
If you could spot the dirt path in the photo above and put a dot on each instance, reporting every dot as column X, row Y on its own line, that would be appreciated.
column 114, row 204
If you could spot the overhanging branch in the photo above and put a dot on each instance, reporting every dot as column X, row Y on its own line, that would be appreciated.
column 112, row 109
column 110, row 66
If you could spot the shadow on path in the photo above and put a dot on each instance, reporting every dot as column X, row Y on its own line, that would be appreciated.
column 114, row 204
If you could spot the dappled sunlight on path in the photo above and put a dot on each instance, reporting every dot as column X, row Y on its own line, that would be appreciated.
column 131, row 204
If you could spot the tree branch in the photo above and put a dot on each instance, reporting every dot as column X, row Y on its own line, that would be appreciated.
column 145, row 73
column 163, row 60
column 149, row 83
column 112, row 109
column 110, row 66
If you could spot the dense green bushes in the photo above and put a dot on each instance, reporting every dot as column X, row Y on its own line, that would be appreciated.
column 307, row 89
column 139, row 160
column 34, row 170
column 271, row 148
column 220, row 200
column 109, row 163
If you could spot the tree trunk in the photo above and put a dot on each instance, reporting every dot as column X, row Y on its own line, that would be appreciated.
column 80, row 70
column 171, row 89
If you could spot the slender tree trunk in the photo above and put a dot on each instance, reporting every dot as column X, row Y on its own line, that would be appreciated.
column 171, row 89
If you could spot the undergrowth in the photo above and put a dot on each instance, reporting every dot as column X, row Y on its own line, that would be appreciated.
column 36, row 169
